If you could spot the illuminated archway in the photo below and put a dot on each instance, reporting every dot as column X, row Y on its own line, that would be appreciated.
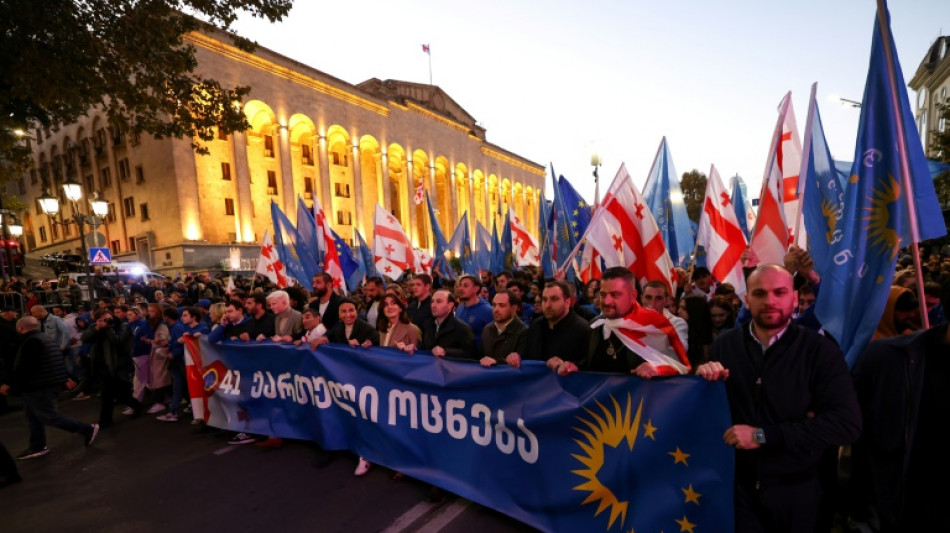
column 342, row 213
column 420, row 176
column 518, row 201
column 263, row 166
column 371, row 176
column 444, row 192
column 531, row 211
column 505, row 196
column 305, row 163
column 398, row 186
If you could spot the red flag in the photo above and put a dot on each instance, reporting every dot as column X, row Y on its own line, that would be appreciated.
column 524, row 245
column 719, row 233
column 425, row 48
column 331, row 256
column 650, row 335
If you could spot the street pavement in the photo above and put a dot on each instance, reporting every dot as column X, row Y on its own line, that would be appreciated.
column 145, row 476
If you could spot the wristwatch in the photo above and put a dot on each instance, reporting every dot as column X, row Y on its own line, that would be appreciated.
column 759, row 436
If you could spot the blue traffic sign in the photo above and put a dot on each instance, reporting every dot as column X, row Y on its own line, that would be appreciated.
column 100, row 256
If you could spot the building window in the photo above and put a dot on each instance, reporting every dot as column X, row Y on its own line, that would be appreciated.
column 143, row 211
column 21, row 186
column 306, row 154
column 131, row 244
column 124, row 172
column 226, row 171
column 54, row 229
column 128, row 207
column 110, row 217
column 341, row 190
column 222, row 136
column 344, row 218
column 139, row 174
column 115, row 247
column 229, row 207
column 87, row 181
column 42, row 233
column 308, row 188
column 271, row 182
column 33, row 178
column 268, row 146
column 942, row 125
column 105, row 177
column 100, row 142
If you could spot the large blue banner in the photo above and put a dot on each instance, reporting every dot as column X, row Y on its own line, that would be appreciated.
column 586, row 452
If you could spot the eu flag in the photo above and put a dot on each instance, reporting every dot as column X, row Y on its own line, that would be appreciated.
column 546, row 241
column 461, row 245
column 352, row 267
column 561, row 238
column 743, row 207
column 823, row 193
column 299, row 260
column 889, row 173
column 576, row 209
column 365, row 255
column 664, row 197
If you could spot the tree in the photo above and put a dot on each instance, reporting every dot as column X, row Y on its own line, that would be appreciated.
column 693, row 185
column 60, row 58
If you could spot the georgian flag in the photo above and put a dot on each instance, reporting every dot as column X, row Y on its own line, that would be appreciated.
column 523, row 244
column 719, row 233
column 269, row 264
column 422, row 263
column 650, row 335
column 625, row 233
column 392, row 249
column 327, row 242
column 770, row 237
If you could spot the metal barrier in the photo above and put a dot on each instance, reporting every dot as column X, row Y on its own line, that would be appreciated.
column 13, row 299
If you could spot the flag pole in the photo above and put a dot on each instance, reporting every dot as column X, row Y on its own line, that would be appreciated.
column 906, row 183
column 806, row 154
column 429, row 53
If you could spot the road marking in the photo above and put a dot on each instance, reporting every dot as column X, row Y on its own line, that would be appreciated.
column 410, row 516
column 226, row 449
column 445, row 516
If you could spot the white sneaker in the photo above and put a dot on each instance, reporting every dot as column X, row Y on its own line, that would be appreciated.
column 128, row 411
column 167, row 417
column 157, row 408
column 362, row 468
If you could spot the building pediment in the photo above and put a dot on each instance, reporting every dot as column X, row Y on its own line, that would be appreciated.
column 430, row 97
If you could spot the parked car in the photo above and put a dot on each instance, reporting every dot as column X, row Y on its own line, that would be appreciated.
column 127, row 278
column 69, row 263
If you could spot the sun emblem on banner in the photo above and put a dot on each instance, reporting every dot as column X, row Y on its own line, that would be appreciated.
column 882, row 216
column 610, row 427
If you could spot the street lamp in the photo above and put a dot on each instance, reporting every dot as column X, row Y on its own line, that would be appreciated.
column 100, row 208
column 11, row 230
column 595, row 162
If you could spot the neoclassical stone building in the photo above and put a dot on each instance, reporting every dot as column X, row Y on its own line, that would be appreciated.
column 311, row 135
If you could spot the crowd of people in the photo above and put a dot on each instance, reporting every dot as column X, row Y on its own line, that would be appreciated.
column 796, row 406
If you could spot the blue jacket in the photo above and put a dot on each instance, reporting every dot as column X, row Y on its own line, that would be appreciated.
column 139, row 329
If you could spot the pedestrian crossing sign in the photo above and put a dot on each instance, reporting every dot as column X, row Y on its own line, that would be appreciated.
column 100, row 256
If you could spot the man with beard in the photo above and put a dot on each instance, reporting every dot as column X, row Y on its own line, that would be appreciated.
column 327, row 302
column 791, row 400
column 372, row 296
column 420, row 309
column 261, row 324
column 507, row 334
column 561, row 335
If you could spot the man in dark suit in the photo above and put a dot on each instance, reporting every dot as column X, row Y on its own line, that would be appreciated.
column 327, row 302
column 446, row 335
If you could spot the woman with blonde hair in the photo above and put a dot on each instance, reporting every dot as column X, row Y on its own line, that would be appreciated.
column 216, row 312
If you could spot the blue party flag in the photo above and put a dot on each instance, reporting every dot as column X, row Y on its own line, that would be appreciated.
column 663, row 195
column 297, row 257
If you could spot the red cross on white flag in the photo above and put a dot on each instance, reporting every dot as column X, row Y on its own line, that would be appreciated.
column 720, row 234
column 269, row 264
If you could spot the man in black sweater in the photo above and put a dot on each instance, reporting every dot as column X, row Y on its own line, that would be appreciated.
column 791, row 400
column 559, row 335
column 39, row 374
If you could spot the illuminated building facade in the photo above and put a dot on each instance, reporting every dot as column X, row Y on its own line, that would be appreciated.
column 311, row 135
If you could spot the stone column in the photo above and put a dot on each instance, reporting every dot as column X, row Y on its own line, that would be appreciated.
column 287, row 174
column 242, row 185
column 325, row 192
column 359, row 210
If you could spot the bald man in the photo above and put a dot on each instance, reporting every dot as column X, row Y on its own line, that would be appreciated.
column 791, row 400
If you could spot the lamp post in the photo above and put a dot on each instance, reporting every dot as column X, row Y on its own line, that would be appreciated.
column 11, row 229
column 100, row 208
column 595, row 162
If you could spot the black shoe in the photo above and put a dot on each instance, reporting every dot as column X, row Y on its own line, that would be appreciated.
column 32, row 454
